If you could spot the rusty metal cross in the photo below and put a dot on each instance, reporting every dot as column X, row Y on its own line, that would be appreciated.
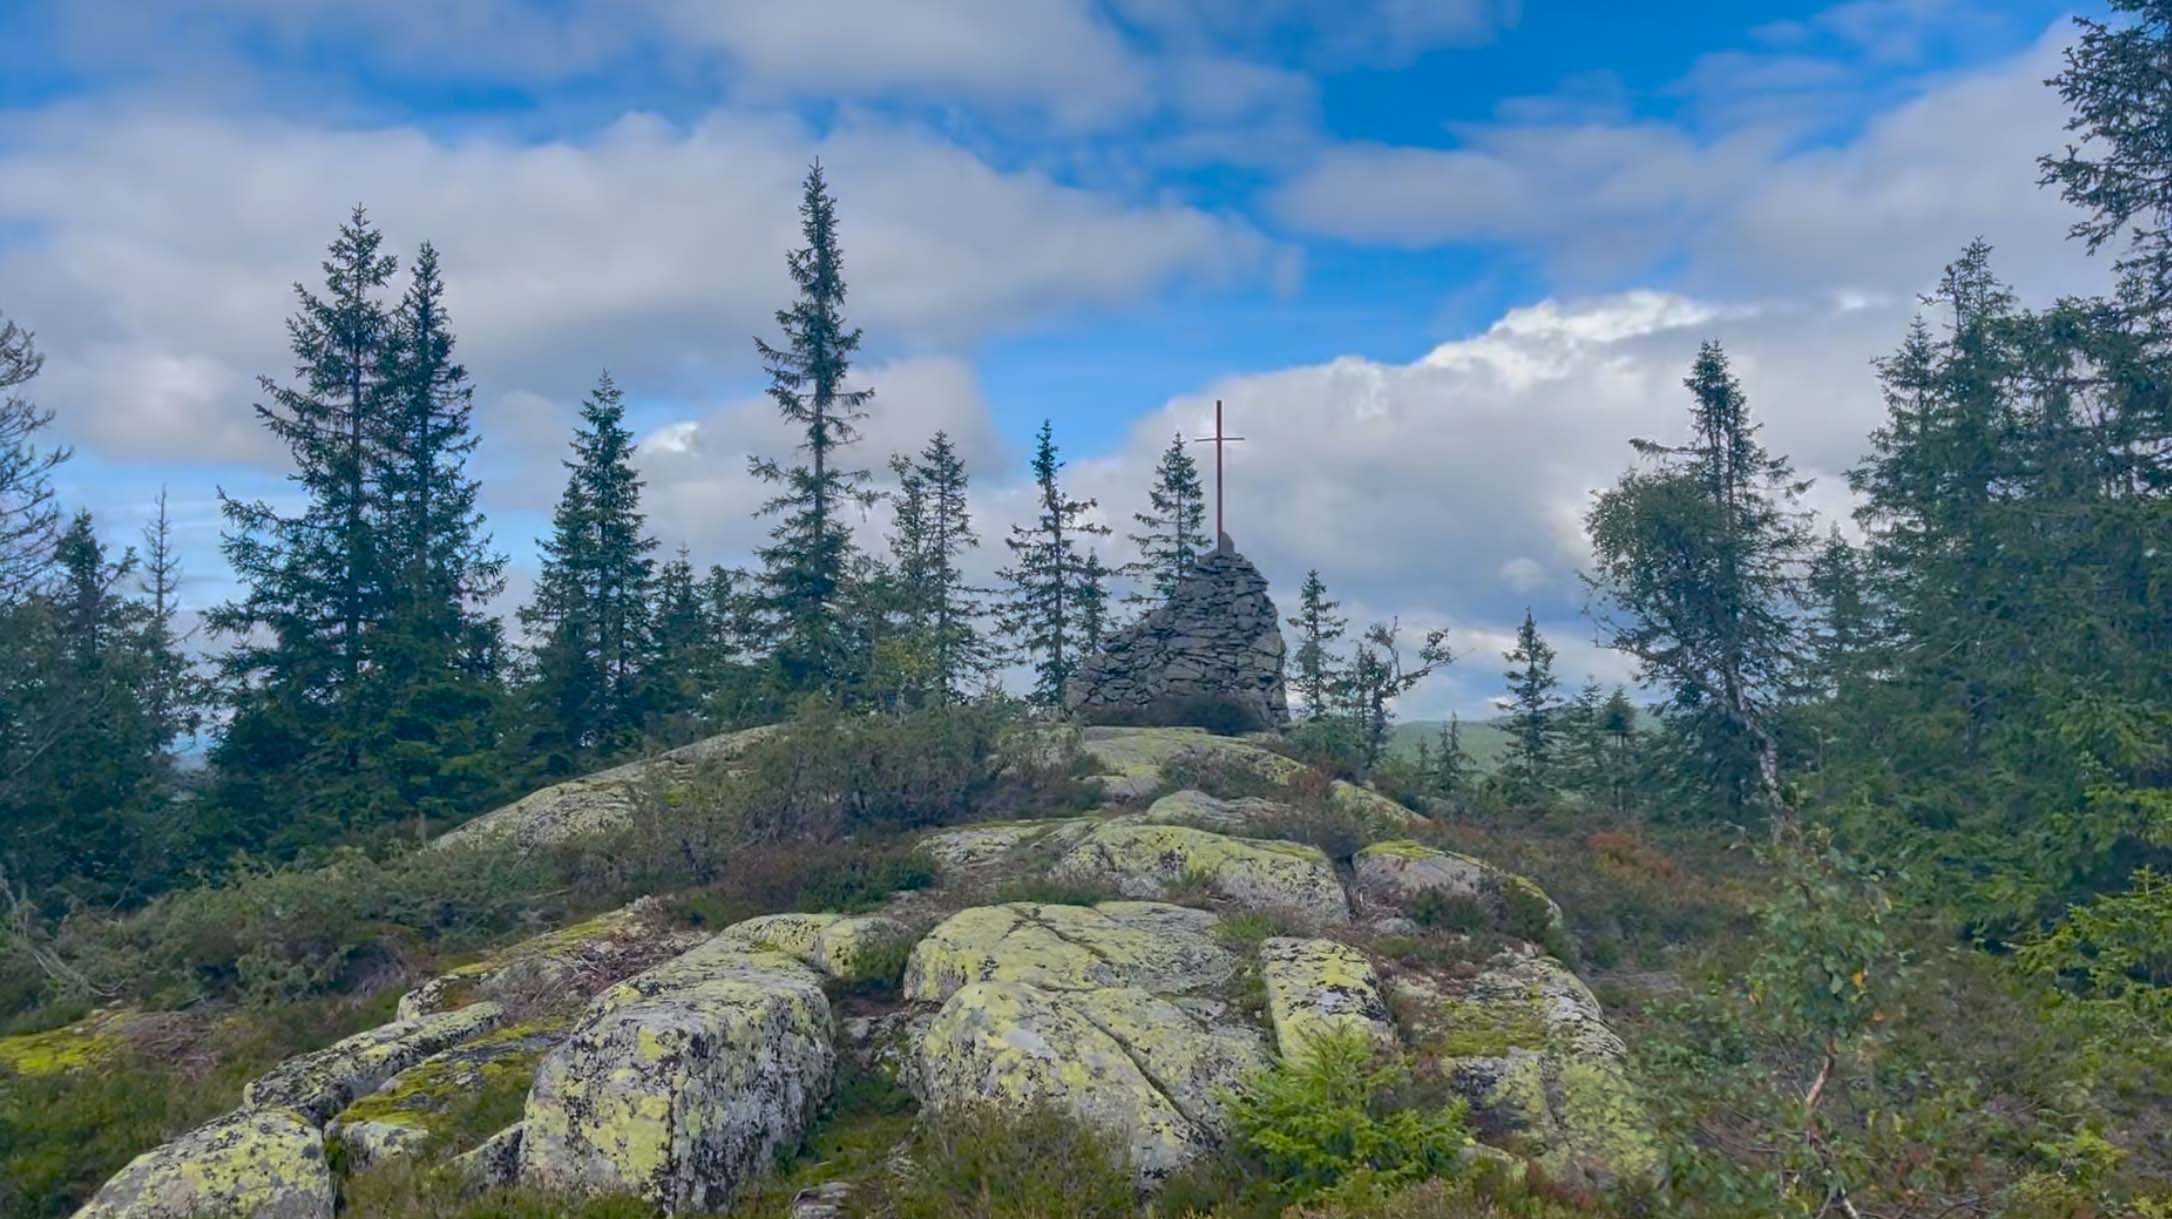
column 1217, row 440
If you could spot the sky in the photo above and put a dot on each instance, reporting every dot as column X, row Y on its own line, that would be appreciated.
column 1440, row 259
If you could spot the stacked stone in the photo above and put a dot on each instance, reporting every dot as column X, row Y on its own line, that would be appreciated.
column 1216, row 641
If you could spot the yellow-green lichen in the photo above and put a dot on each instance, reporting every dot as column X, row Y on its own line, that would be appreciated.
column 1316, row 987
column 254, row 1160
column 1144, row 860
column 95, row 1039
column 1159, row 948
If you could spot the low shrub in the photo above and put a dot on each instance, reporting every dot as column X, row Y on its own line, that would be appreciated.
column 1338, row 1121
column 1049, row 891
column 1439, row 911
column 995, row 1162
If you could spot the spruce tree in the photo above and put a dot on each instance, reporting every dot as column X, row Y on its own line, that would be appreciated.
column 589, row 621
column 1452, row 768
column 2117, row 85
column 1317, row 629
column 678, row 667
column 1048, row 584
column 1841, row 628
column 1581, row 748
column 28, row 517
column 297, row 755
column 84, row 770
column 809, row 558
column 932, row 530
column 1172, row 532
column 172, row 695
column 1529, row 761
column 1698, row 563
column 435, row 651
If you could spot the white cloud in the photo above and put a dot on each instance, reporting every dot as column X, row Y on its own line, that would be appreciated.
column 1747, row 211
column 165, row 247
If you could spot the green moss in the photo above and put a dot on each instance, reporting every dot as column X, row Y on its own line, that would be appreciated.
column 93, row 1040
column 1484, row 1030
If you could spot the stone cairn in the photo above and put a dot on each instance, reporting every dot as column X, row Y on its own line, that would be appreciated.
column 1213, row 647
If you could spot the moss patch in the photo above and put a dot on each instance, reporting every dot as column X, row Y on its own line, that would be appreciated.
column 92, row 1041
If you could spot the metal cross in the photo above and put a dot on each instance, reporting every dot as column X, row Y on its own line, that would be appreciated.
column 1217, row 440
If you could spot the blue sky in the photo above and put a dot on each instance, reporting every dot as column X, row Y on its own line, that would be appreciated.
column 1443, row 258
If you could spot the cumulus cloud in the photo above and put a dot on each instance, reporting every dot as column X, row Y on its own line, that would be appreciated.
column 1746, row 210
column 166, row 246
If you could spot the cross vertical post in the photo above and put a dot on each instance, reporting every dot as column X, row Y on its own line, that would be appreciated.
column 1218, row 440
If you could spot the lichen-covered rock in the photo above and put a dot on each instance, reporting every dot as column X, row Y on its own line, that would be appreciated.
column 1315, row 987
column 420, row 1104
column 494, row 1162
column 1148, row 861
column 1131, row 1062
column 1393, row 874
column 1375, row 811
column 967, row 847
column 1245, row 814
column 323, row 1082
column 1215, row 643
column 841, row 946
column 1158, row 948
column 1527, row 1043
column 250, row 1164
column 573, row 961
column 1133, row 762
column 681, row 1083
column 598, row 803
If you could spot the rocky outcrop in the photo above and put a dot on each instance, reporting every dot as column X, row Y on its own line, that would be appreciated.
column 1394, row 875
column 323, row 1082
column 1150, row 861
column 416, row 1107
column 569, row 963
column 1214, row 649
column 251, row 1164
column 598, row 803
column 1525, row 1041
column 1120, row 1058
column 839, row 946
column 1146, row 945
column 1320, row 987
column 681, row 1083
column 1134, row 762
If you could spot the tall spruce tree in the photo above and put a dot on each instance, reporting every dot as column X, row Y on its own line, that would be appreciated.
column 436, row 652
column 1317, row 628
column 589, row 621
column 809, row 558
column 1698, row 562
column 1049, row 586
column 1172, row 531
column 1529, row 760
column 297, row 758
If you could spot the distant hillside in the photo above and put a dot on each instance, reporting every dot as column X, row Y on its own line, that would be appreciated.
column 1482, row 739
